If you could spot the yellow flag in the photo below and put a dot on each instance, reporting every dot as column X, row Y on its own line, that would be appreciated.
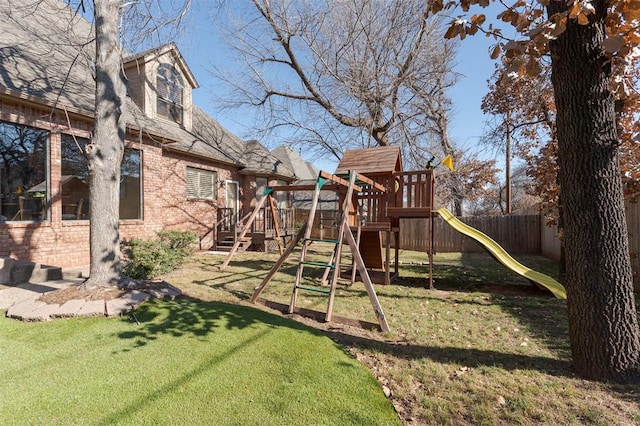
column 448, row 161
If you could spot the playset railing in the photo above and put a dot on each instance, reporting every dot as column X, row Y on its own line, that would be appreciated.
column 411, row 194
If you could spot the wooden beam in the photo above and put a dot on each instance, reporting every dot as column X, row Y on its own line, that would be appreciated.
column 338, row 180
column 376, row 226
column 366, row 279
column 292, row 245
column 409, row 212
column 276, row 223
column 375, row 185
column 344, row 227
column 318, row 315
column 310, row 187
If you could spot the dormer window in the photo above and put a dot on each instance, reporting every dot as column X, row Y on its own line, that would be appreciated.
column 169, row 92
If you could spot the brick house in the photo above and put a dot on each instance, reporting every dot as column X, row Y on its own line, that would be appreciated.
column 181, row 169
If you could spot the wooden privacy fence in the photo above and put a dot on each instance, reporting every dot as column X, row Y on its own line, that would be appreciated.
column 516, row 234
column 521, row 234
column 551, row 243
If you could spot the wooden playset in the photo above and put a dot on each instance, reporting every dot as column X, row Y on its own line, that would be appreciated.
column 375, row 193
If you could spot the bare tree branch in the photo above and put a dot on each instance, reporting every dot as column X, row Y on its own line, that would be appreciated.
column 377, row 69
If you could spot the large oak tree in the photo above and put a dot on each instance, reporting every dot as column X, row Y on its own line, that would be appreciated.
column 586, row 41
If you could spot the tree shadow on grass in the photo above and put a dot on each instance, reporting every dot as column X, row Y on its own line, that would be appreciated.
column 248, row 271
column 457, row 356
column 180, row 317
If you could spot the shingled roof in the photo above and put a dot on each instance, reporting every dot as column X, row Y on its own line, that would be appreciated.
column 371, row 161
column 306, row 174
column 47, row 63
column 53, row 65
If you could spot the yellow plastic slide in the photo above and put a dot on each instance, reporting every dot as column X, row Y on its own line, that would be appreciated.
column 502, row 256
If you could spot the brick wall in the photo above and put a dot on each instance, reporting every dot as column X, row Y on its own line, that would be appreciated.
column 164, row 201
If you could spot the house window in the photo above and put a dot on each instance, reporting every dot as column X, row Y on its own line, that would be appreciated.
column 75, row 181
column 261, row 186
column 169, row 90
column 201, row 184
column 282, row 197
column 131, row 185
column 24, row 187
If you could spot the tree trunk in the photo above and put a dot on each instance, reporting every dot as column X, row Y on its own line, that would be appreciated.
column 104, row 153
column 603, row 323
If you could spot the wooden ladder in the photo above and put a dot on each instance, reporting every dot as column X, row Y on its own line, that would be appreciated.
column 333, row 265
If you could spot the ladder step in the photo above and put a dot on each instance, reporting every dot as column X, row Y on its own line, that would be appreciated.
column 324, row 265
column 316, row 289
column 322, row 240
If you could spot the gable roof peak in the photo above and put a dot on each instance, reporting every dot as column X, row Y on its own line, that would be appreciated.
column 155, row 52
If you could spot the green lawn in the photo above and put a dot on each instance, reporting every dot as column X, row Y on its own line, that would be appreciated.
column 485, row 347
column 184, row 363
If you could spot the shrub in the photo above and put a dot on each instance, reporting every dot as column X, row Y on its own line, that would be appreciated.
column 146, row 259
column 178, row 239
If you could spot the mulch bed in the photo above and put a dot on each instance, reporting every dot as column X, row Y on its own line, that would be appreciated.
column 78, row 291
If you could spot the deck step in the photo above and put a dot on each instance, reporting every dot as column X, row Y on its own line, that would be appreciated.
column 227, row 244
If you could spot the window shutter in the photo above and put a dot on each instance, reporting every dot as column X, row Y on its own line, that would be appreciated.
column 192, row 183
column 207, row 185
column 200, row 183
column 162, row 89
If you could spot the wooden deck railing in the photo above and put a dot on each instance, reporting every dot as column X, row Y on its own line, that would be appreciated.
column 263, row 223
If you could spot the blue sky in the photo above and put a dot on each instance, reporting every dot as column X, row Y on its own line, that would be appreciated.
column 200, row 47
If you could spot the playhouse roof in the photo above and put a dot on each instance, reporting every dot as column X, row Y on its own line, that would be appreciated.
column 371, row 161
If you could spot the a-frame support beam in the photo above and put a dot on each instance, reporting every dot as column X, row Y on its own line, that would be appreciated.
column 276, row 267
column 366, row 279
column 276, row 224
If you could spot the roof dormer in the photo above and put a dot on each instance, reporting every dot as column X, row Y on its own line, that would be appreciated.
column 161, row 84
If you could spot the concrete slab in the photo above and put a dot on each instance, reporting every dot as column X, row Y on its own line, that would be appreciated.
column 136, row 297
column 22, row 310
column 92, row 308
column 164, row 293
column 69, row 309
column 117, row 307
column 20, row 300
column 42, row 313
column 13, row 295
